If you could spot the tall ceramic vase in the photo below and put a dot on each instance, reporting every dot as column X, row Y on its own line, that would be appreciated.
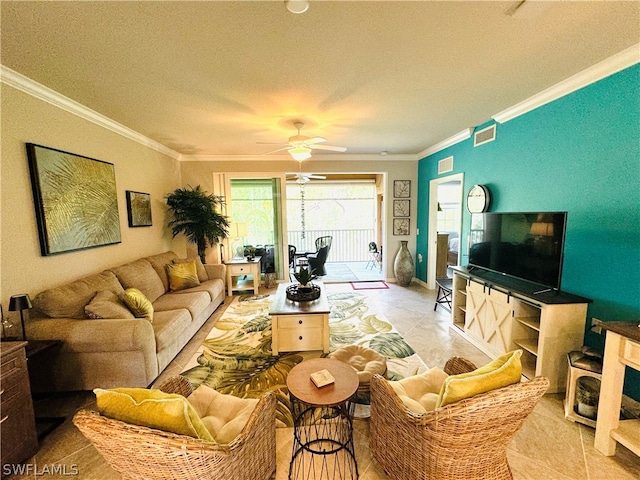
column 403, row 266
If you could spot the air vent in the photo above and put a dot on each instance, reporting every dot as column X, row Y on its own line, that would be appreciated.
column 485, row 135
column 445, row 165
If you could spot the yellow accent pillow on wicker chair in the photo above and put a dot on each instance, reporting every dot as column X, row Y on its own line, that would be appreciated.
column 465, row 439
column 141, row 452
column 152, row 408
column 503, row 371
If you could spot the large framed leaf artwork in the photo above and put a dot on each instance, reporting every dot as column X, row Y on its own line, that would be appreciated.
column 75, row 200
column 139, row 209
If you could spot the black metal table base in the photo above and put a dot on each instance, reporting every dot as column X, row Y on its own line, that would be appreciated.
column 323, row 442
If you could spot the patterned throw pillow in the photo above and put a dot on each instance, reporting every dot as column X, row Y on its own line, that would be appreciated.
column 106, row 304
column 139, row 305
column 182, row 275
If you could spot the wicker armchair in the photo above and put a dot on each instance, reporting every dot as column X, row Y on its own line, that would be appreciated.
column 137, row 452
column 463, row 440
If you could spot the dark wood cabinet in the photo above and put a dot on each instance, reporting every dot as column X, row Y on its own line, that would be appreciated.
column 17, row 427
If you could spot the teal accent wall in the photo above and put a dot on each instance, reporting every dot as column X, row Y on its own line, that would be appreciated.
column 580, row 154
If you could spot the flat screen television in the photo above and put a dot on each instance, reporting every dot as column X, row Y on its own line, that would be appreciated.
column 527, row 246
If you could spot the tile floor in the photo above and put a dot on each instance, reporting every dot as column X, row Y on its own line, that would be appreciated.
column 548, row 447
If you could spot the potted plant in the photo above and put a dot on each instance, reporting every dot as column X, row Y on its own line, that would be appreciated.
column 304, row 277
column 250, row 253
column 195, row 215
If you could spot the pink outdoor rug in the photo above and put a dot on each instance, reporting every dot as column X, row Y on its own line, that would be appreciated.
column 373, row 285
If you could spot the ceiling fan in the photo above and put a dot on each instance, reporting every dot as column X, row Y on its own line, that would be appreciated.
column 302, row 178
column 300, row 146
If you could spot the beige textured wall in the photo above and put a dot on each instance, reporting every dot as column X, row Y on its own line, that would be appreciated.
column 26, row 119
column 201, row 173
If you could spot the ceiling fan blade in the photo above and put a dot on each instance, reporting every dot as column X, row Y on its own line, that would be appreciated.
column 271, row 143
column 317, row 177
column 328, row 147
column 315, row 140
column 276, row 150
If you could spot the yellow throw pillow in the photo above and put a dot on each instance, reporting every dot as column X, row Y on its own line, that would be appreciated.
column 202, row 272
column 182, row 275
column 169, row 412
column 504, row 370
column 139, row 305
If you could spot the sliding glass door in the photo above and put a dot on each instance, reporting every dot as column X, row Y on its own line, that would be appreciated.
column 256, row 205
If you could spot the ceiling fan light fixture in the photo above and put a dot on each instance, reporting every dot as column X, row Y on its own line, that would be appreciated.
column 300, row 153
column 297, row 6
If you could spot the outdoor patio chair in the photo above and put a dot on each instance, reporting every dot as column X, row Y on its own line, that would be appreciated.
column 317, row 260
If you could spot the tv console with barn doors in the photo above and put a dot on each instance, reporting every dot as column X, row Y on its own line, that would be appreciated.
column 499, row 314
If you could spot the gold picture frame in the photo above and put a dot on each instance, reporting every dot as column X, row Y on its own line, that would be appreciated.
column 138, row 209
column 75, row 200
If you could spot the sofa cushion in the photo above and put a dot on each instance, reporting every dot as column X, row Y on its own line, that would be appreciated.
column 419, row 393
column 168, row 412
column 224, row 415
column 68, row 301
column 195, row 302
column 213, row 287
column 182, row 276
column 169, row 326
column 141, row 275
column 106, row 304
column 158, row 262
column 202, row 272
column 504, row 370
column 139, row 305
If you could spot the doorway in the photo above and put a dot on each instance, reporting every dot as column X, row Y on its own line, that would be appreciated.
column 257, row 203
column 445, row 220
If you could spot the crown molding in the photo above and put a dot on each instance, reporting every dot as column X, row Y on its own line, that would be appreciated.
column 25, row 84
column 314, row 158
column 457, row 138
column 611, row 65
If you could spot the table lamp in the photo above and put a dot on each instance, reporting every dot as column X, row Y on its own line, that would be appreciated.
column 20, row 303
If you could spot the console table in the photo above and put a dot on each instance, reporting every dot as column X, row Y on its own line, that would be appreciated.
column 323, row 429
column 237, row 267
column 622, row 349
column 499, row 314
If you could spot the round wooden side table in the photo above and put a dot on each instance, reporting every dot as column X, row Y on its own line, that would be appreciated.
column 323, row 429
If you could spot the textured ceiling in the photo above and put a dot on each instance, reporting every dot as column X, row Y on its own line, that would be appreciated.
column 215, row 78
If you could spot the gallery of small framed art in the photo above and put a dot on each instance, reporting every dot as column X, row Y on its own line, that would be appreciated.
column 75, row 200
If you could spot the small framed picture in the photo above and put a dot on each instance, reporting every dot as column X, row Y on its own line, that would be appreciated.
column 401, row 188
column 401, row 208
column 401, row 226
column 139, row 209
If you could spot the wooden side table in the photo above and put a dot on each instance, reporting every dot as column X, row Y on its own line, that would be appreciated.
column 323, row 430
column 237, row 267
column 622, row 349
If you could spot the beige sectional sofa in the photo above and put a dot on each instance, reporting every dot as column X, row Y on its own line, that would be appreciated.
column 123, row 351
